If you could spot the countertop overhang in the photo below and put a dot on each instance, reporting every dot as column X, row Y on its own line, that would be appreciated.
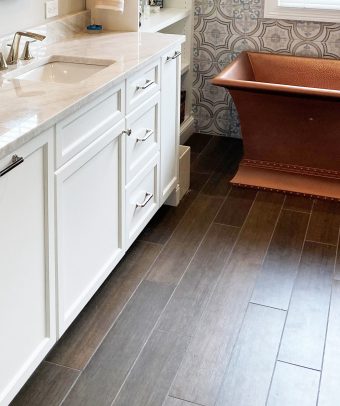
column 27, row 108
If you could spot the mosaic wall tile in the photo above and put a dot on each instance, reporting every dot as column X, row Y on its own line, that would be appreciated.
column 223, row 29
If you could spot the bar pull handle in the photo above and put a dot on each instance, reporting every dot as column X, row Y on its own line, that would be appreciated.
column 176, row 54
column 148, row 197
column 148, row 134
column 128, row 132
column 15, row 162
column 147, row 84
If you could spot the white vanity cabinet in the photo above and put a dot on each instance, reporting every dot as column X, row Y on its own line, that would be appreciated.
column 27, row 286
column 68, row 213
column 90, row 212
column 170, row 134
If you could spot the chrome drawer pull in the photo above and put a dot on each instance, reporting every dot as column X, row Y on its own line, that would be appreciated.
column 15, row 162
column 148, row 197
column 127, row 132
column 147, row 84
column 148, row 134
column 176, row 54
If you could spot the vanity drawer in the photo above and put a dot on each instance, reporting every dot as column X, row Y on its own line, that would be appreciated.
column 142, row 200
column 142, row 138
column 141, row 86
column 78, row 130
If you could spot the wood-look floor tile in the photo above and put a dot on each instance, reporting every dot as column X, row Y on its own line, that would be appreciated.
column 177, row 253
column 193, row 157
column 201, row 373
column 219, row 181
column 163, row 224
column 101, row 380
column 198, row 141
column 81, row 340
column 330, row 388
column 236, row 207
column 47, row 386
column 255, row 352
column 298, row 203
column 325, row 222
column 149, row 380
column 184, row 310
column 294, row 386
column 212, row 155
column 305, row 330
column 275, row 283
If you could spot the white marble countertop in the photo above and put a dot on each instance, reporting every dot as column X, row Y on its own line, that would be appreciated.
column 29, row 107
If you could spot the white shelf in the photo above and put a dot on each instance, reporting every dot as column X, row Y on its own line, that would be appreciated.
column 163, row 19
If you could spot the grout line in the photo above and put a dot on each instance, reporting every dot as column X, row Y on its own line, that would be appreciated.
column 147, row 242
column 269, row 307
column 225, row 225
column 183, row 400
column 164, row 308
column 298, row 366
column 329, row 311
column 321, row 243
column 62, row 366
column 297, row 210
column 290, row 299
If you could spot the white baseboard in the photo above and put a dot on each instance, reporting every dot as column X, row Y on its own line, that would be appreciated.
column 187, row 129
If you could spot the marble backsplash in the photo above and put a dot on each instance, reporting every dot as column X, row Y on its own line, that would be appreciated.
column 55, row 31
column 224, row 28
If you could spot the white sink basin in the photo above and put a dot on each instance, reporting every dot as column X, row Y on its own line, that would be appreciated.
column 59, row 71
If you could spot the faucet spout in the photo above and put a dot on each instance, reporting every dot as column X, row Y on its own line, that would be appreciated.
column 12, row 58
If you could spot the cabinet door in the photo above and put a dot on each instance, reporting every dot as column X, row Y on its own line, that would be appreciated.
column 170, row 127
column 27, row 313
column 89, row 222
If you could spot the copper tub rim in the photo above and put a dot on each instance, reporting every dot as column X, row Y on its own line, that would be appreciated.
column 240, row 84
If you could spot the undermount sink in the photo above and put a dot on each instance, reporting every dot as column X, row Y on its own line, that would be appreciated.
column 55, row 70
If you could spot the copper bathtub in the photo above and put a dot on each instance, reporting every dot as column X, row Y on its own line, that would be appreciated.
column 289, row 109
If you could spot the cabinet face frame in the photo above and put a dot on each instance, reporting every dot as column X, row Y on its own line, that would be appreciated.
column 166, row 64
column 44, row 142
column 112, row 135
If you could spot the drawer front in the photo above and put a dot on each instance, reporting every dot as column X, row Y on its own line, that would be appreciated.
column 78, row 130
column 142, row 138
column 141, row 86
column 142, row 200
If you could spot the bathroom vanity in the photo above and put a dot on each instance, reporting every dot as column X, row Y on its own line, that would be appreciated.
column 85, row 165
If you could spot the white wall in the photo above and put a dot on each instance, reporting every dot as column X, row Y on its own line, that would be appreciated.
column 22, row 14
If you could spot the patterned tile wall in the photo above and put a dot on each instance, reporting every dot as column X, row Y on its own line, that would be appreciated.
column 224, row 28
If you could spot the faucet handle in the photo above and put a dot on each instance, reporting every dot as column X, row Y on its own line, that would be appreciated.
column 3, row 64
column 26, row 53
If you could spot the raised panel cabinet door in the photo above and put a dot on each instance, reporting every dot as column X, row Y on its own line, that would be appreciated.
column 27, row 312
column 89, row 222
column 170, row 127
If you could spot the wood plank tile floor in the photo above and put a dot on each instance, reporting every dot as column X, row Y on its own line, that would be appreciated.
column 230, row 299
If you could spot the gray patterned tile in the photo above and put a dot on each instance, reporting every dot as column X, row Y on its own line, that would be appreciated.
column 202, row 48
column 223, row 29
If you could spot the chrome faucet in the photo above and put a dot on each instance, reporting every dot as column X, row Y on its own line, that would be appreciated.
column 12, row 58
